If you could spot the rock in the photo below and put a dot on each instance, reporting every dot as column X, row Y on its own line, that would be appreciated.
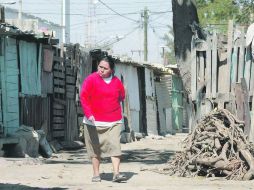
column 139, row 136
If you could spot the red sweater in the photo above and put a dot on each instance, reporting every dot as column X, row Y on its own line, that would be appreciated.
column 102, row 100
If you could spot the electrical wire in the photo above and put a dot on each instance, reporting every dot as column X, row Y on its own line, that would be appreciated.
column 127, row 34
column 117, row 12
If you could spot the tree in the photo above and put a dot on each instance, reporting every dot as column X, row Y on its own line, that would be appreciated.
column 184, row 14
column 246, row 12
column 218, row 12
column 169, row 38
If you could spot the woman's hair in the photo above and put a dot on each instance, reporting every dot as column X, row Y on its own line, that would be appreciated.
column 108, row 59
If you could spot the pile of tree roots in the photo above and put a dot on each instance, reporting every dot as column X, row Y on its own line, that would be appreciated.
column 217, row 147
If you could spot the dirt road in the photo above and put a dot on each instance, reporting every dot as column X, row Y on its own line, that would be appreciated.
column 72, row 170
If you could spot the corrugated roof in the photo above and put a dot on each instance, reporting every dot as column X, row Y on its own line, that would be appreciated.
column 32, row 16
column 11, row 30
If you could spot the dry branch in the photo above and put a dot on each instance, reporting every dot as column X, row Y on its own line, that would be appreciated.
column 216, row 147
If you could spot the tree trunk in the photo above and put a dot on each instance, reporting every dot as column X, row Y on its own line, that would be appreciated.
column 184, row 14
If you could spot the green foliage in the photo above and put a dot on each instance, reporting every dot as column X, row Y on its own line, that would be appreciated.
column 246, row 14
column 218, row 12
column 169, row 39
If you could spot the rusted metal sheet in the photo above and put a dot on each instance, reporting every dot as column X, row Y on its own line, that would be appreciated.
column 35, row 112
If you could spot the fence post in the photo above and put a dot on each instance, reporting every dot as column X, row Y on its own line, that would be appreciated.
column 214, row 65
column 229, row 52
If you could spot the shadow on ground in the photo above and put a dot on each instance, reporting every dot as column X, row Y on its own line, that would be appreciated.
column 74, row 157
column 109, row 176
column 7, row 186
column 147, row 156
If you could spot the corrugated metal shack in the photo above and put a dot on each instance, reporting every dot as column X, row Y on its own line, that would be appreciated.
column 39, row 85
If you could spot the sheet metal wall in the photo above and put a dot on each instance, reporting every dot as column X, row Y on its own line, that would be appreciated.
column 151, row 108
column 10, row 87
column 130, row 77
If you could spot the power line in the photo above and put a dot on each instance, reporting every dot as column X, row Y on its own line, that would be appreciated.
column 160, row 12
column 117, row 12
column 127, row 34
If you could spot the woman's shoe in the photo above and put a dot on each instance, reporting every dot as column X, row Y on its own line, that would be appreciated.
column 96, row 179
column 119, row 177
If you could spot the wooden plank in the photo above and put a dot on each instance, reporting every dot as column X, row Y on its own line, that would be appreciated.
column 59, row 74
column 243, row 111
column 251, row 136
column 234, row 66
column 70, row 71
column 70, row 88
column 246, row 116
column 58, row 59
column 58, row 133
column 59, row 82
column 71, row 126
column 247, row 68
column 241, row 55
column 58, row 126
column 58, row 120
column 226, row 72
column 193, row 71
column 208, row 69
column 58, row 106
column 214, row 65
column 70, row 79
column 202, row 67
column 58, row 112
column 252, row 77
column 70, row 95
column 202, row 46
column 59, row 67
column 59, row 90
column 59, row 101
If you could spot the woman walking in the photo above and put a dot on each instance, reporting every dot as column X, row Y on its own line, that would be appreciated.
column 101, row 96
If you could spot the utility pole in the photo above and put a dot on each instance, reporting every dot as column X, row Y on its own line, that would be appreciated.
column 67, row 21
column 20, row 10
column 145, row 33
column 63, row 20
column 91, row 25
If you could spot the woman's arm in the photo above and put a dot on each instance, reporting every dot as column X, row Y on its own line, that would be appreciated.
column 85, row 97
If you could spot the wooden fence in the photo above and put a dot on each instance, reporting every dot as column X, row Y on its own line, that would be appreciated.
column 222, row 70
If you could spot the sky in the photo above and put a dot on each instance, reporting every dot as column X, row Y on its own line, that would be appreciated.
column 114, row 22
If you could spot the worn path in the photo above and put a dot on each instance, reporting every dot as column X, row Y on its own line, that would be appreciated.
column 72, row 170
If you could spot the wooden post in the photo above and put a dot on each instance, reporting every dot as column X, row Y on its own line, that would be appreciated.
column 247, row 68
column 251, row 136
column 234, row 66
column 208, row 76
column 193, row 71
column 201, row 67
column 214, row 65
column 241, row 55
column 252, row 76
column 242, row 102
column 229, row 52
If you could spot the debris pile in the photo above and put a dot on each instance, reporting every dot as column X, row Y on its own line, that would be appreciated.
column 217, row 147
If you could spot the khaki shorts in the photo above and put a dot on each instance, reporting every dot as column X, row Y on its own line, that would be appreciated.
column 102, row 142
